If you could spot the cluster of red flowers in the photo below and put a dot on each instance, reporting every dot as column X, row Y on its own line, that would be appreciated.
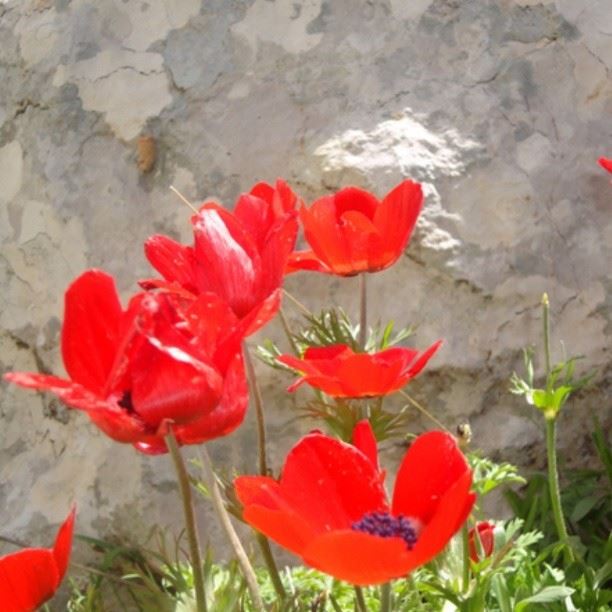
column 172, row 359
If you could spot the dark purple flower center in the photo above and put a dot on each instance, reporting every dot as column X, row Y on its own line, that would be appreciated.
column 385, row 525
column 126, row 401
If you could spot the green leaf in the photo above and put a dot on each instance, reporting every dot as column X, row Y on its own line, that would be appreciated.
column 546, row 595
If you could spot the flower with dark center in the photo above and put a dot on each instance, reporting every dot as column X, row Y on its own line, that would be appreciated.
column 329, row 505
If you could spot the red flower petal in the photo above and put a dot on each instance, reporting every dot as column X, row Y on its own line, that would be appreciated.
column 279, row 245
column 431, row 466
column 174, row 261
column 226, row 416
column 605, row 163
column 320, row 477
column 31, row 576
column 365, row 440
column 227, row 259
column 357, row 557
column 483, row 548
column 420, row 362
column 90, row 333
column 266, row 509
column 305, row 260
column 353, row 199
column 110, row 418
column 395, row 219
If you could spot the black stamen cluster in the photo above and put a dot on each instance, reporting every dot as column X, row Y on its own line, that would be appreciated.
column 387, row 526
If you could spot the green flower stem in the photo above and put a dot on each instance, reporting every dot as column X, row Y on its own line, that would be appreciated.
column 263, row 470
column 551, row 442
column 385, row 597
column 287, row 330
column 553, row 485
column 190, row 524
column 261, row 425
column 466, row 558
column 363, row 310
column 360, row 603
column 243, row 560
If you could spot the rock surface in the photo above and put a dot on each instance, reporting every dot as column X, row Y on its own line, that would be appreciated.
column 500, row 107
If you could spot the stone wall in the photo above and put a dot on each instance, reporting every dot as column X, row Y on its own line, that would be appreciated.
column 501, row 107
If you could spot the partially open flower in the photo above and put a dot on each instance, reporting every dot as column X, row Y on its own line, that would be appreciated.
column 481, row 541
column 162, row 361
column 330, row 507
column 240, row 256
column 340, row 372
column 30, row 577
column 352, row 231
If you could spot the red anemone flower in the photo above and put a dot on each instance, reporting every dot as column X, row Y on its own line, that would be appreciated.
column 31, row 576
column 352, row 231
column 162, row 360
column 605, row 163
column 330, row 507
column 339, row 372
column 485, row 533
column 241, row 255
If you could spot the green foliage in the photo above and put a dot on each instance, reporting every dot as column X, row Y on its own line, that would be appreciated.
column 559, row 385
column 489, row 475
column 329, row 327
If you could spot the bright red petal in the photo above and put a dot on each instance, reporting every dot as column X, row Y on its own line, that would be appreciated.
column 174, row 261
column 269, row 512
column 275, row 254
column 331, row 482
column 605, row 163
column 90, row 333
column 451, row 512
column 63, row 544
column 115, row 422
column 357, row 557
column 365, row 440
column 31, row 576
column 357, row 200
column 432, row 465
column 28, row 578
column 256, row 217
column 305, row 260
column 395, row 219
column 226, row 416
column 228, row 263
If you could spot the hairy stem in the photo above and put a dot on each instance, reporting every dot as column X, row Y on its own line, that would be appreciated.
column 385, row 597
column 190, row 524
column 466, row 557
column 243, row 560
column 261, row 425
column 423, row 410
column 363, row 310
column 360, row 603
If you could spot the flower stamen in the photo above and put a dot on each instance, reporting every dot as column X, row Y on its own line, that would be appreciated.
column 385, row 525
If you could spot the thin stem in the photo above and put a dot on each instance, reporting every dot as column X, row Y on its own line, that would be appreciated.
column 385, row 597
column 551, row 443
column 243, row 560
column 553, row 486
column 174, row 190
column 546, row 325
column 360, row 603
column 190, row 524
column 263, row 469
column 261, row 425
column 423, row 410
column 363, row 310
column 268, row 557
column 287, row 330
column 297, row 302
column 466, row 557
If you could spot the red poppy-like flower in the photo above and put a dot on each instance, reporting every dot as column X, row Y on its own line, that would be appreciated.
column 340, row 372
column 162, row 360
column 352, row 231
column 485, row 532
column 330, row 507
column 605, row 163
column 240, row 255
column 31, row 576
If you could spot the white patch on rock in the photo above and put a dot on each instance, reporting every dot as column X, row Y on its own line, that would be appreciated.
column 534, row 152
column 283, row 22
column 410, row 9
column 11, row 170
column 151, row 20
column 38, row 34
column 127, row 87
